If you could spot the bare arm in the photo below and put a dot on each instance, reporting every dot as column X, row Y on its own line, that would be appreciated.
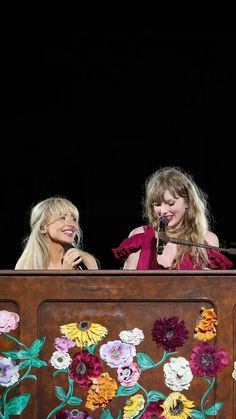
column 212, row 239
column 132, row 260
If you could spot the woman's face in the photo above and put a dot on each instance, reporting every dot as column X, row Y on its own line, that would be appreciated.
column 61, row 230
column 172, row 208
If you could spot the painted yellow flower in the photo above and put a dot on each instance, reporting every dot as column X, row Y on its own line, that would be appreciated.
column 176, row 406
column 133, row 406
column 84, row 332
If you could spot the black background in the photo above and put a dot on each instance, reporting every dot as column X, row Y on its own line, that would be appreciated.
column 89, row 110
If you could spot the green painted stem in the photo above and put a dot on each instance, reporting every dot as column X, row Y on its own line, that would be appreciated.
column 164, row 356
column 211, row 381
column 15, row 340
column 69, row 394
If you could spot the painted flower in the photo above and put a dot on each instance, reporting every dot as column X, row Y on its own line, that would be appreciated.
column 84, row 332
column 134, row 336
column 60, row 360
column 153, row 410
column 206, row 326
column 116, row 353
column 177, row 406
column 9, row 374
column 63, row 343
column 8, row 321
column 72, row 414
column 128, row 375
column 169, row 333
column 178, row 374
column 234, row 371
column 101, row 392
column 207, row 360
column 84, row 367
column 133, row 406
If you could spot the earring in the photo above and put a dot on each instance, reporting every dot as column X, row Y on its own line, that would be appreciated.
column 42, row 228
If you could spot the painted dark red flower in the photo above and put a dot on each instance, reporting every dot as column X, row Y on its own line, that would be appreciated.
column 83, row 367
column 153, row 410
column 207, row 360
column 170, row 333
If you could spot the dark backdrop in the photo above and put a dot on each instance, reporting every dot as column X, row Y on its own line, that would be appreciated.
column 89, row 110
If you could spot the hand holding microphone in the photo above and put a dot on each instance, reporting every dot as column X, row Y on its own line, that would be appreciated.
column 161, row 228
column 72, row 259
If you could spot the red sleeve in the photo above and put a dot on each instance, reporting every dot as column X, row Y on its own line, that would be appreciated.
column 217, row 260
column 128, row 246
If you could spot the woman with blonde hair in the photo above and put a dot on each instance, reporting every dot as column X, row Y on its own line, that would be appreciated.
column 174, row 207
column 55, row 240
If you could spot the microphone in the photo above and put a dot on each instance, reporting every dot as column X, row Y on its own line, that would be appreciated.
column 81, row 265
column 161, row 228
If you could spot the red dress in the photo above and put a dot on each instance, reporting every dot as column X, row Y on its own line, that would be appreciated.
column 146, row 241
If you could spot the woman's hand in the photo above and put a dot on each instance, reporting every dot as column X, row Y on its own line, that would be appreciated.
column 73, row 257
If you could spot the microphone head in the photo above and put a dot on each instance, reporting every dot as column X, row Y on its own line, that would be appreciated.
column 162, row 223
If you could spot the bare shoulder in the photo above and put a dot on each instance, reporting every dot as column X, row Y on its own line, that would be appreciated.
column 212, row 239
column 136, row 230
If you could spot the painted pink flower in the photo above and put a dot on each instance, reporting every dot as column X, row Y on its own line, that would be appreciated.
column 128, row 375
column 8, row 321
column 63, row 343
column 116, row 353
column 169, row 333
column 72, row 414
column 83, row 367
column 207, row 360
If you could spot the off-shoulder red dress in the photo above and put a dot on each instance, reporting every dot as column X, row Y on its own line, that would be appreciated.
column 146, row 242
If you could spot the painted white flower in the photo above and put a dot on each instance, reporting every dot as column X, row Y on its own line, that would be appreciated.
column 9, row 374
column 234, row 371
column 178, row 374
column 134, row 336
column 60, row 360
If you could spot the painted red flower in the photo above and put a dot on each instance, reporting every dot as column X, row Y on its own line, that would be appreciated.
column 83, row 367
column 153, row 410
column 169, row 333
column 207, row 360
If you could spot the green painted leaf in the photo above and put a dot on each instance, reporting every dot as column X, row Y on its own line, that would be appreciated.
column 127, row 391
column 91, row 348
column 35, row 362
column 74, row 400
column 144, row 361
column 16, row 354
column 34, row 349
column 106, row 414
column 21, row 354
column 61, row 395
column 17, row 404
column 153, row 396
column 212, row 410
column 24, row 364
column 196, row 414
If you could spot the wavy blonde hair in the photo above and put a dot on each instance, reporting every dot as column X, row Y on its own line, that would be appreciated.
column 196, row 218
column 35, row 254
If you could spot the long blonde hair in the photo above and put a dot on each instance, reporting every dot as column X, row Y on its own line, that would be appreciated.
column 35, row 254
column 197, row 216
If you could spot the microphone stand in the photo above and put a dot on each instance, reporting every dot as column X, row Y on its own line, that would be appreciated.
column 168, row 239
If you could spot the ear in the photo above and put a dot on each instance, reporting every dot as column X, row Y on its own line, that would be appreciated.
column 43, row 229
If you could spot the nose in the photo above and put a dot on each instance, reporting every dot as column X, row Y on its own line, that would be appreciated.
column 163, row 209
